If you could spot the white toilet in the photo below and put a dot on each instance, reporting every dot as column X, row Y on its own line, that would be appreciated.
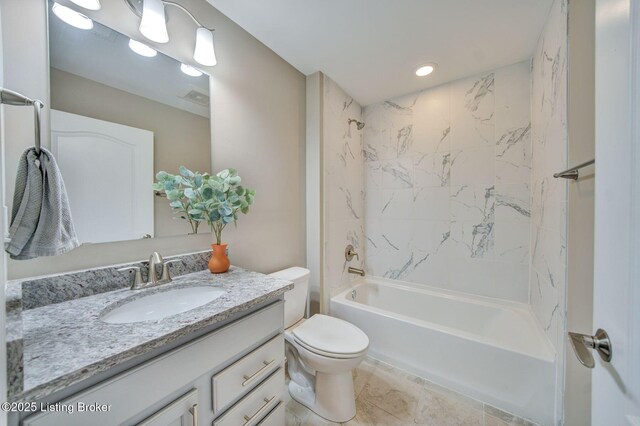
column 321, row 353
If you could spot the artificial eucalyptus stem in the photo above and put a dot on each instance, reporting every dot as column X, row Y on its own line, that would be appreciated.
column 217, row 228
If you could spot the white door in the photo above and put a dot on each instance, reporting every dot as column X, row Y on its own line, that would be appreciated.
column 616, row 385
column 108, row 172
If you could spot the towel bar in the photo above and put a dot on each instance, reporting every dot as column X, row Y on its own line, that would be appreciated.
column 9, row 97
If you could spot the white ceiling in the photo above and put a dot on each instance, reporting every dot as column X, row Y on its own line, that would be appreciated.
column 372, row 47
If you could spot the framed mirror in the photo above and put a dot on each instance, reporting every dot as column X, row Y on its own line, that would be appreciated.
column 120, row 113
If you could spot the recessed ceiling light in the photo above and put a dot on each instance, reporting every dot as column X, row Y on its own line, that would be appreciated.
column 88, row 4
column 142, row 49
column 426, row 69
column 189, row 70
column 72, row 17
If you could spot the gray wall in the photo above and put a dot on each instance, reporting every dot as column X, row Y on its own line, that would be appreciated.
column 258, row 127
column 179, row 137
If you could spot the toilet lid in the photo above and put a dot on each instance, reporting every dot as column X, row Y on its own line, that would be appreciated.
column 331, row 335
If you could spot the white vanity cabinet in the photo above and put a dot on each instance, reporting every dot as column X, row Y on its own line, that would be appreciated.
column 231, row 376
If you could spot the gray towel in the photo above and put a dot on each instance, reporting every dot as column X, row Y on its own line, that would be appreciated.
column 41, row 222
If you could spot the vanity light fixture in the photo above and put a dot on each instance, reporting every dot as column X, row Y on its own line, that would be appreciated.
column 142, row 49
column 153, row 25
column 426, row 69
column 204, row 53
column 72, row 17
column 189, row 70
column 88, row 4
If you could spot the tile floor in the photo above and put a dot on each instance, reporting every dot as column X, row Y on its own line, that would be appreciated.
column 389, row 396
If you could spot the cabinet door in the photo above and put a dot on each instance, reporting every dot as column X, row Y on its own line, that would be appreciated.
column 181, row 412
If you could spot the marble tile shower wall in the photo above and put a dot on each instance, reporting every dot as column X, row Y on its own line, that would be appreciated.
column 549, row 195
column 343, row 184
column 447, row 175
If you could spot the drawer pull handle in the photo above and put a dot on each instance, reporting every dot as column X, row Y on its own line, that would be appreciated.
column 249, row 379
column 258, row 413
column 194, row 414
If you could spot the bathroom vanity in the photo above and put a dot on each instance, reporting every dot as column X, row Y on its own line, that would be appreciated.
column 218, row 364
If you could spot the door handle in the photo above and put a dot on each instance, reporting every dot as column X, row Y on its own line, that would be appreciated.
column 583, row 343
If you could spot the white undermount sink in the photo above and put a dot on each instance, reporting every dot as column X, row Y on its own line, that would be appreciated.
column 162, row 305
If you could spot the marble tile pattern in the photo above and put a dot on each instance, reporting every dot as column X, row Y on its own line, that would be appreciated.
column 447, row 175
column 42, row 291
column 51, row 334
column 548, row 273
column 343, row 178
column 389, row 396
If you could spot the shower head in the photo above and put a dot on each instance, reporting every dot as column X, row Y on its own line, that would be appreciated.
column 359, row 124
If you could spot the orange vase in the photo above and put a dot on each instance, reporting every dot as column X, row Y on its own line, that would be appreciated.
column 219, row 262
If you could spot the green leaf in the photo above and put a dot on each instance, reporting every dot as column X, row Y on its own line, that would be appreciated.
column 207, row 193
column 224, row 174
column 173, row 194
column 190, row 193
column 186, row 172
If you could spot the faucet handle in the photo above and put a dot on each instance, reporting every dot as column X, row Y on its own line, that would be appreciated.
column 166, row 271
column 349, row 253
column 137, row 279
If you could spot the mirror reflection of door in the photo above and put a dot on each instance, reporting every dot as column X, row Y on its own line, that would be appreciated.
column 107, row 168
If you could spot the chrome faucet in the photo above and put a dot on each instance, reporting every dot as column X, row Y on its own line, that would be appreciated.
column 154, row 260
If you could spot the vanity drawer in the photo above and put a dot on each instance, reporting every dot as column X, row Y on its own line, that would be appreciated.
column 250, row 370
column 255, row 406
column 275, row 417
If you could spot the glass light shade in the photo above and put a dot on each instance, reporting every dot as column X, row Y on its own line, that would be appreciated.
column 88, row 4
column 154, row 24
column 204, row 53
column 189, row 70
column 142, row 49
column 72, row 17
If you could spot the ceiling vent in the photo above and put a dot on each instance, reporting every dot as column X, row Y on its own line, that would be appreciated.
column 197, row 98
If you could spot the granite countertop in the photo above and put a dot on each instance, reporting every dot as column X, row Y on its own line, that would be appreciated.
column 65, row 343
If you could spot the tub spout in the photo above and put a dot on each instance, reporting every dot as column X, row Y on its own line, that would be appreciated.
column 358, row 271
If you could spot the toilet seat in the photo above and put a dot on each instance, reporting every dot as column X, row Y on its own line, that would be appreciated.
column 330, row 337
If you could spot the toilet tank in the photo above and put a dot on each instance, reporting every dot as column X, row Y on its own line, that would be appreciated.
column 295, row 300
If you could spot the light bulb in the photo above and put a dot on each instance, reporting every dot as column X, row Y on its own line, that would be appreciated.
column 142, row 49
column 72, row 17
column 204, row 52
column 425, row 70
column 88, row 4
column 153, row 24
column 189, row 70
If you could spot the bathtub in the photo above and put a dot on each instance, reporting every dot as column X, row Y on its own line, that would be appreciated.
column 491, row 350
